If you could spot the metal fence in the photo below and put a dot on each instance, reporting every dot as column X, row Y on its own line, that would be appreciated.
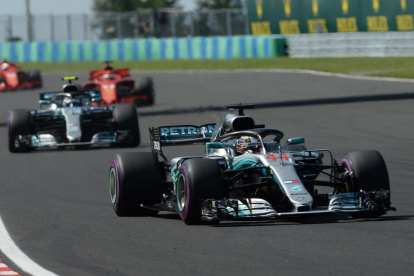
column 368, row 44
column 146, row 23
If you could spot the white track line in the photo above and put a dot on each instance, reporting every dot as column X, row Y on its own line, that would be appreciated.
column 290, row 71
column 12, row 252
column 328, row 74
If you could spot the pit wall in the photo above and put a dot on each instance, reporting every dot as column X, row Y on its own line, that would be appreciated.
column 232, row 47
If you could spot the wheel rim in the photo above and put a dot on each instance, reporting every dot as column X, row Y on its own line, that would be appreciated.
column 113, row 185
column 348, row 176
column 12, row 140
column 181, row 193
column 16, row 142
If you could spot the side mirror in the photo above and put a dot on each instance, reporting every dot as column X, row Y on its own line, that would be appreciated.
column 43, row 102
column 295, row 141
column 214, row 145
column 97, row 100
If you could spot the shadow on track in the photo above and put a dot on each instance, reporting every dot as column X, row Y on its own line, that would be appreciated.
column 318, row 219
column 411, row 217
column 344, row 218
column 79, row 148
column 337, row 100
column 3, row 124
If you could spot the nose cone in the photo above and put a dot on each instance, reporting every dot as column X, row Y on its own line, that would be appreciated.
column 108, row 94
column 73, row 124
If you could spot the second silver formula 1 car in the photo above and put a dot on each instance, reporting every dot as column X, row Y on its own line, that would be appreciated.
column 247, row 173
column 71, row 120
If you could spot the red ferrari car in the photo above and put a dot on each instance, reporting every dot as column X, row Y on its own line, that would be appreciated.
column 13, row 78
column 116, row 87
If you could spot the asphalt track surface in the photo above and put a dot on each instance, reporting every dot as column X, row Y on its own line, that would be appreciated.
column 56, row 206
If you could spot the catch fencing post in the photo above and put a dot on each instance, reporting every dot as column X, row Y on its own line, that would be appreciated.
column 29, row 22
column 52, row 28
column 228, row 17
column 191, row 14
column 118, row 26
column 69, row 27
column 102, row 23
column 9, row 27
column 246, row 21
column 85, row 27
column 209, row 22
column 33, row 27
column 136, row 29
column 173, row 31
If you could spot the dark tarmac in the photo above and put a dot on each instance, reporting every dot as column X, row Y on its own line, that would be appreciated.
column 56, row 206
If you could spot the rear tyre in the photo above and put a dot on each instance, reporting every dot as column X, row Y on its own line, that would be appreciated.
column 149, row 84
column 126, row 119
column 19, row 123
column 35, row 76
column 134, row 179
column 197, row 180
column 123, row 91
column 151, row 99
column 366, row 171
column 146, row 87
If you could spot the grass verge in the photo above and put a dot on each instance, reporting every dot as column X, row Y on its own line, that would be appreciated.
column 400, row 67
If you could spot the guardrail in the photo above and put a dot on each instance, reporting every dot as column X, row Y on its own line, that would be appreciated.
column 383, row 44
column 231, row 47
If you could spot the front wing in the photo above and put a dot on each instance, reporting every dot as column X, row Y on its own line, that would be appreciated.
column 256, row 208
column 48, row 141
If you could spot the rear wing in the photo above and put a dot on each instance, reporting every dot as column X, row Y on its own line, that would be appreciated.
column 179, row 135
column 98, row 73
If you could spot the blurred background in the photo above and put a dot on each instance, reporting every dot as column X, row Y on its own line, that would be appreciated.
column 50, row 20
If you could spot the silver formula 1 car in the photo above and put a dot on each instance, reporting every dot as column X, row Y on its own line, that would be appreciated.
column 70, row 119
column 244, row 179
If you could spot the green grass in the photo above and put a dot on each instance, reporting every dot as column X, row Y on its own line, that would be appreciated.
column 400, row 67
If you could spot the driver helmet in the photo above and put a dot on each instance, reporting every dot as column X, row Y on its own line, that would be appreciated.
column 66, row 102
column 247, row 144
column 4, row 66
column 109, row 76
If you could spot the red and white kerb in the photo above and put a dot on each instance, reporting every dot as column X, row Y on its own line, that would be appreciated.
column 5, row 270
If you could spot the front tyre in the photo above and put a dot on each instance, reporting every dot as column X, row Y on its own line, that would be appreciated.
column 19, row 124
column 366, row 171
column 197, row 180
column 134, row 179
